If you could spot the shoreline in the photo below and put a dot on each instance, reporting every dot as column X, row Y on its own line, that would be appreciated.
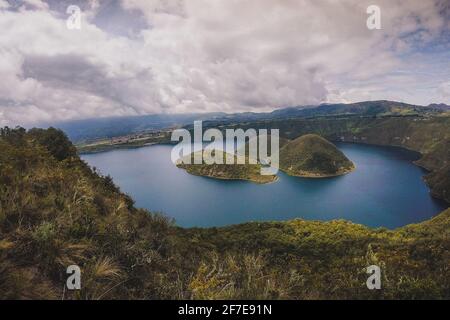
column 119, row 147
column 318, row 221
column 276, row 178
column 317, row 176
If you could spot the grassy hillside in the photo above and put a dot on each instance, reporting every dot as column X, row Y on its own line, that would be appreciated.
column 313, row 156
column 56, row 211
column 364, row 108
column 439, row 181
column 301, row 259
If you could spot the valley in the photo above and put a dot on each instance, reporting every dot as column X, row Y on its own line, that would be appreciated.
column 66, row 213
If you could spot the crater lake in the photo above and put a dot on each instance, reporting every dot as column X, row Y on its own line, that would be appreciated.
column 385, row 190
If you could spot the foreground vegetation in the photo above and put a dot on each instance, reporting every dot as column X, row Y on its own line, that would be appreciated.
column 55, row 211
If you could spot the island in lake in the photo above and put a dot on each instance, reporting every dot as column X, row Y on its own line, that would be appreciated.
column 308, row 156
column 312, row 156
column 249, row 172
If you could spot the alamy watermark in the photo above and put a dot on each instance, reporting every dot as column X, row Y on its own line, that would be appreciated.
column 74, row 280
column 73, row 22
column 374, row 280
column 374, row 20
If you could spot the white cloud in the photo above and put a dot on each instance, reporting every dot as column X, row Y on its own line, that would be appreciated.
column 4, row 4
column 444, row 92
column 222, row 55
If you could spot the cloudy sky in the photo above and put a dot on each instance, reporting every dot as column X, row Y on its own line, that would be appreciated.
column 134, row 57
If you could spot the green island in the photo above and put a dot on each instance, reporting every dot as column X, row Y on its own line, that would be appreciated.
column 56, row 211
column 312, row 156
column 309, row 156
column 246, row 171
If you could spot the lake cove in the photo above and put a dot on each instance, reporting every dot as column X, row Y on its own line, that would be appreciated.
column 191, row 310
column 385, row 190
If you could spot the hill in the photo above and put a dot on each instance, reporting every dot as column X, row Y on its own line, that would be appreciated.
column 439, row 183
column 55, row 211
column 364, row 108
column 441, row 106
column 248, row 172
column 312, row 156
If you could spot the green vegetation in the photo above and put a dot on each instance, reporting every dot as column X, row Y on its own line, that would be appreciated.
column 312, row 156
column 380, row 108
column 249, row 172
column 55, row 211
column 246, row 171
column 439, row 182
column 324, row 260
column 307, row 156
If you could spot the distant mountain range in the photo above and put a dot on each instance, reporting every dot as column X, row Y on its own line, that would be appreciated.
column 367, row 108
column 90, row 129
column 440, row 106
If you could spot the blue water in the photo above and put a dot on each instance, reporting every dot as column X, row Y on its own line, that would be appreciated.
column 386, row 189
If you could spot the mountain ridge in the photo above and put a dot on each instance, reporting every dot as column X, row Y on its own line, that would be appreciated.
column 107, row 127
